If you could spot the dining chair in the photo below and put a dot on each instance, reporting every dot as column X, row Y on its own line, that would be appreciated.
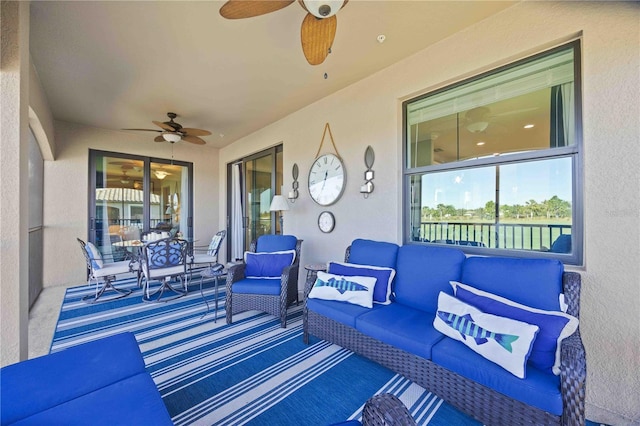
column 99, row 270
column 164, row 260
column 267, row 280
column 209, row 257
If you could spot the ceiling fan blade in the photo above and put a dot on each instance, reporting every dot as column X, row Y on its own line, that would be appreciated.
column 239, row 9
column 159, row 139
column 317, row 37
column 195, row 132
column 164, row 126
column 193, row 139
column 145, row 130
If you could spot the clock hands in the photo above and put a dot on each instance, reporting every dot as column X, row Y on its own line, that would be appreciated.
column 324, row 181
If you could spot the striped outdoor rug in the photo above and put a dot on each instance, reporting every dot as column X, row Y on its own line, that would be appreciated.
column 250, row 372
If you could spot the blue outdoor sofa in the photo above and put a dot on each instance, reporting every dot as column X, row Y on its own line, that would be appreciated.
column 103, row 382
column 401, row 334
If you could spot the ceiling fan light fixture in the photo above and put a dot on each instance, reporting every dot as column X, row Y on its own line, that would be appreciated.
column 161, row 174
column 477, row 126
column 171, row 137
column 323, row 8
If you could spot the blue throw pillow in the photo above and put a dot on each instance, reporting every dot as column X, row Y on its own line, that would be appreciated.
column 554, row 325
column 504, row 341
column 353, row 289
column 94, row 255
column 384, row 277
column 267, row 265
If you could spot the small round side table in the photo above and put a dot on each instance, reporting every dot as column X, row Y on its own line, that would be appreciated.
column 210, row 272
column 312, row 272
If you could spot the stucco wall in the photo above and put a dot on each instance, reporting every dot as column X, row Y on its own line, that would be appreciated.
column 66, row 192
column 369, row 113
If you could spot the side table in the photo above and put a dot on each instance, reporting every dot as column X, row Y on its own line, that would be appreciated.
column 211, row 272
column 312, row 272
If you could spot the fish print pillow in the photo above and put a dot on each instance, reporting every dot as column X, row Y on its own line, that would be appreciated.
column 504, row 341
column 356, row 290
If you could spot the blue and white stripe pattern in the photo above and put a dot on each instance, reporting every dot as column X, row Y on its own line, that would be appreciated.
column 249, row 372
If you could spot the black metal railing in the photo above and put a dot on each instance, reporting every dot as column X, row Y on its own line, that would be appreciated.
column 515, row 236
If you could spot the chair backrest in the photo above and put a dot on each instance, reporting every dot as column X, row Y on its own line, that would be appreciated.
column 92, row 256
column 271, row 243
column 216, row 243
column 165, row 253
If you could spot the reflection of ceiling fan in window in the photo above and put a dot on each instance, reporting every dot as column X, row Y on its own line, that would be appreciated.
column 173, row 132
column 478, row 119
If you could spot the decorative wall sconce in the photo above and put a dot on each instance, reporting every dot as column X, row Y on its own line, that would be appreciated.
column 369, row 158
column 293, row 194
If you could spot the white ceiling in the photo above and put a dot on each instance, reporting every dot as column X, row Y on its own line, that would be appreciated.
column 116, row 65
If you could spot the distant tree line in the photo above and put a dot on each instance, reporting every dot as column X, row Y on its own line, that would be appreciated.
column 553, row 208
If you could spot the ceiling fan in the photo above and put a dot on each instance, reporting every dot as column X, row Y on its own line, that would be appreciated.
column 318, row 27
column 173, row 132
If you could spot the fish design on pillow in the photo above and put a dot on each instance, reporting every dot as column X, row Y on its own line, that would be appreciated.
column 341, row 285
column 467, row 327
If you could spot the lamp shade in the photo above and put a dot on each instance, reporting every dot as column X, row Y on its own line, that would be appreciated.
column 279, row 203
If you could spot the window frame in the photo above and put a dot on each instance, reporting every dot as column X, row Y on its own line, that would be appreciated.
column 572, row 151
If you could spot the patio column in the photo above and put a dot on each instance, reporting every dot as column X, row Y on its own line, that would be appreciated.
column 14, row 175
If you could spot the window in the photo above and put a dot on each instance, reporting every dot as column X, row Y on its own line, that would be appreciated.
column 492, row 164
column 131, row 195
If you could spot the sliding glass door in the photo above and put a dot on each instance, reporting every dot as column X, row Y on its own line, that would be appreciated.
column 252, row 183
column 132, row 195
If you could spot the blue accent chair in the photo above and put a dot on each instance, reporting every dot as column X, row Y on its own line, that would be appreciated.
column 269, row 293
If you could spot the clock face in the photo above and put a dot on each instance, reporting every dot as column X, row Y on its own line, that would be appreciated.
column 327, row 179
column 326, row 222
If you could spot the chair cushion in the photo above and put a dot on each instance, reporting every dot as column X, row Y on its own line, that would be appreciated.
column 267, row 265
column 423, row 272
column 502, row 340
column 212, row 250
column 344, row 313
column 376, row 253
column 35, row 385
column 532, row 282
column 352, row 289
column 114, row 268
column 271, row 243
column 383, row 275
column 95, row 257
column 257, row 286
column 401, row 326
column 539, row 389
column 554, row 326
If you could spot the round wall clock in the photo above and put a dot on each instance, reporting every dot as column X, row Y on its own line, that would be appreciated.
column 327, row 179
column 326, row 222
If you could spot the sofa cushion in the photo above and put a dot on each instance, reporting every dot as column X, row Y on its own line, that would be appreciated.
column 86, row 368
column 554, row 326
column 423, row 272
column 383, row 275
column 344, row 313
column 532, row 282
column 376, row 253
column 267, row 265
column 401, row 326
column 539, row 389
column 505, row 341
column 257, row 286
column 132, row 401
column 354, row 289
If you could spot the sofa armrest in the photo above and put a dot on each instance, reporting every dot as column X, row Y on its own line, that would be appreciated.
column 386, row 410
column 573, row 376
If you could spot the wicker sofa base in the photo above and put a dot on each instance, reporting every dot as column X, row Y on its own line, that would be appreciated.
column 482, row 403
